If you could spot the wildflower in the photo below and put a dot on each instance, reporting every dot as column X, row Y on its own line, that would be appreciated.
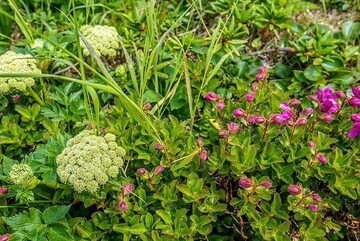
column 301, row 121
column 255, row 86
column 238, row 113
column 321, row 158
column 3, row 190
column 312, row 144
column 261, row 76
column 5, row 237
column 147, row 106
column 327, row 118
column 127, row 188
column 327, row 101
column 355, row 117
column 355, row 131
column 233, row 127
column 308, row 111
column 276, row 119
column 159, row 169
column 251, row 120
column 223, row 133
column 158, row 146
column 316, row 197
column 294, row 102
column 203, row 155
column 122, row 205
column 211, row 97
column 340, row 94
column 291, row 123
column 199, row 142
column 141, row 171
column 355, row 100
column 288, row 112
column 294, row 189
column 220, row 106
column 250, row 97
column 313, row 207
column 266, row 184
column 245, row 182
column 259, row 119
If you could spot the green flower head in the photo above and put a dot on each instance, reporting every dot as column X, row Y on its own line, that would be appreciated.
column 21, row 173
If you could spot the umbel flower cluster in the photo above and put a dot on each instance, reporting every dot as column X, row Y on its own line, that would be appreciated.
column 21, row 173
column 12, row 63
column 103, row 39
column 88, row 161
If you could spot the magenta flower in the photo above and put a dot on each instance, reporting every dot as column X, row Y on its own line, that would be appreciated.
column 313, row 207
column 122, row 205
column 159, row 169
column 340, row 94
column 251, row 120
column 238, row 113
column 147, row 106
column 276, row 119
column 250, row 97
column 266, row 184
column 316, row 197
column 199, row 142
column 158, row 146
column 245, row 182
column 321, row 158
column 259, row 119
column 255, row 86
column 233, row 127
column 312, row 144
column 211, row 97
column 127, row 188
column 355, row 100
column 301, row 121
column 3, row 190
column 355, row 131
column 141, row 171
column 220, row 106
column 327, row 101
column 288, row 112
column 5, row 237
column 308, row 111
column 261, row 76
column 223, row 133
column 355, row 117
column 203, row 155
column 16, row 98
column 294, row 189
column 262, row 69
column 327, row 118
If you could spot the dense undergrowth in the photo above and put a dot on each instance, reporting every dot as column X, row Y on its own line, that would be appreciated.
column 179, row 120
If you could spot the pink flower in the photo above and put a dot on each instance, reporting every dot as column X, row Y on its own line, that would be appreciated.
column 354, row 101
column 340, row 94
column 308, row 111
column 211, row 97
column 260, row 77
column 3, row 190
column 327, row 118
column 220, row 106
column 266, row 184
column 158, row 146
column 327, row 101
column 262, row 69
column 356, row 91
column 321, row 158
column 127, row 188
column 238, row 113
column 355, row 131
column 301, row 121
column 250, row 97
column 102, row 131
column 245, row 182
column 313, row 207
column 147, row 106
column 159, row 169
column 312, row 144
column 276, row 119
column 122, row 205
column 291, row 123
column 199, row 142
column 259, row 119
column 355, row 117
column 141, row 171
column 251, row 120
column 223, row 133
column 233, row 127
column 16, row 98
column 316, row 197
column 255, row 86
column 294, row 189
column 294, row 102
column 5, row 237
column 203, row 155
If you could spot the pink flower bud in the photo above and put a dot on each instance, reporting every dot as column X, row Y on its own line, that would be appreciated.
column 313, row 98
column 5, row 237
column 260, row 77
column 321, row 158
column 313, row 207
column 312, row 144
column 16, row 98
column 355, row 117
column 276, row 119
column 340, row 94
column 199, row 142
column 294, row 189
column 327, row 118
column 316, row 197
column 255, row 86
column 141, row 171
column 301, row 121
column 223, row 133
column 3, row 190
column 354, row 102
column 203, row 155
column 233, row 127
column 89, row 126
column 238, row 113
column 266, row 184
column 122, row 205
column 250, row 97
column 262, row 69
column 220, row 106
column 211, row 97
column 251, row 120
column 259, row 119
column 127, row 188
column 158, row 146
column 245, row 182
column 102, row 131
column 294, row 102
column 159, row 169
column 291, row 123
column 147, row 106
column 308, row 111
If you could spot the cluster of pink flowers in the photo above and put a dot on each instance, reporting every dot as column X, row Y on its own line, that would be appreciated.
column 247, row 182
column 328, row 102
column 289, row 116
column 126, row 190
column 294, row 189
column 318, row 155
column 262, row 75
column 144, row 173
column 203, row 153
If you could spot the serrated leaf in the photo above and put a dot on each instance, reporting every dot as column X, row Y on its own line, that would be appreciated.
column 55, row 213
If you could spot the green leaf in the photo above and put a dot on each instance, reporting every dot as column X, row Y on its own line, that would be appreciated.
column 55, row 213
column 166, row 216
column 138, row 229
column 313, row 73
column 350, row 30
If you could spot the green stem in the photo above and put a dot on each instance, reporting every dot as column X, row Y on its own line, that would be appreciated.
column 35, row 96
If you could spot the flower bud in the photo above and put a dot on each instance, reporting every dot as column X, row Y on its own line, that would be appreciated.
column 220, row 106
column 354, row 102
column 355, row 117
column 312, row 144
column 245, row 182
column 233, row 127
column 199, row 142
column 262, row 69
column 147, row 106
column 141, row 171
column 327, row 118
column 259, row 119
column 250, row 97
column 102, row 131
column 313, row 207
column 89, row 126
column 238, row 113
column 255, row 86
column 316, row 197
column 158, row 146
column 203, row 155
column 5, row 237
column 291, row 123
column 340, row 94
column 127, row 188
column 301, row 121
column 16, row 98
column 3, row 190
column 294, row 189
column 313, row 98
column 211, row 97
column 276, row 119
column 122, row 205
column 159, row 169
column 260, row 77
column 251, row 120
column 308, row 111
column 294, row 102
column 321, row 158
column 223, row 133
column 266, row 184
